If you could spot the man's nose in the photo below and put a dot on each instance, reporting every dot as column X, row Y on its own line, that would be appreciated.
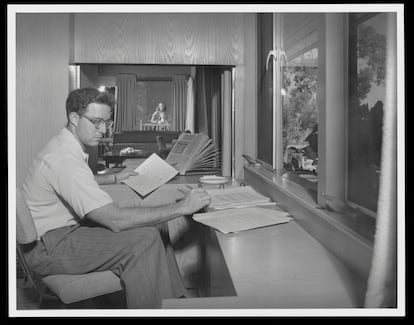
column 102, row 128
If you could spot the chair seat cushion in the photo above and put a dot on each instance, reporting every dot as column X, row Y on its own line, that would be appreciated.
column 72, row 288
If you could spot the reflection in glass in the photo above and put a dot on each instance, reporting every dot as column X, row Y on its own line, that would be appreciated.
column 368, row 41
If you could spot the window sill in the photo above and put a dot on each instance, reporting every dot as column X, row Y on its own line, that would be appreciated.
column 342, row 237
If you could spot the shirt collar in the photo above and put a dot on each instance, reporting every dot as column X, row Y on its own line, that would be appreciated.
column 74, row 144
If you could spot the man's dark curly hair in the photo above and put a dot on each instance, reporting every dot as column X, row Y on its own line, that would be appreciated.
column 79, row 99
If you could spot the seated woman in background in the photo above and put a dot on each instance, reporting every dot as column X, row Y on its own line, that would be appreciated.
column 160, row 116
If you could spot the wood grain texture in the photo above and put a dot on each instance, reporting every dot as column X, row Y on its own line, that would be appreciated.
column 159, row 38
column 272, row 267
column 179, row 38
column 42, row 56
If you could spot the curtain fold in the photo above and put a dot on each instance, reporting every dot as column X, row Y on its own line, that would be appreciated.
column 382, row 281
column 202, row 103
column 126, row 112
column 207, row 115
column 226, row 123
column 179, row 102
column 189, row 121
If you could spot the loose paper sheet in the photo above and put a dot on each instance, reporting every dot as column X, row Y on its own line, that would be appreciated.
column 235, row 220
column 153, row 173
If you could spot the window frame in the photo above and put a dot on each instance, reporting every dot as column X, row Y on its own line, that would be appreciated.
column 332, row 149
column 362, row 17
column 277, row 149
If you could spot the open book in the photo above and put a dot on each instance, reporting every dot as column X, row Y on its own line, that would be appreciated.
column 152, row 173
column 192, row 153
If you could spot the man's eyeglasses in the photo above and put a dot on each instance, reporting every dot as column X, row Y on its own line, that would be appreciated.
column 99, row 122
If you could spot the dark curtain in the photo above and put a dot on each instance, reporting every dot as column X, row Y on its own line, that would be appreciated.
column 179, row 102
column 126, row 118
column 207, row 115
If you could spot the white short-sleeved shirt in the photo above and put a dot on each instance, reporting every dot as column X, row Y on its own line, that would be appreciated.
column 60, row 188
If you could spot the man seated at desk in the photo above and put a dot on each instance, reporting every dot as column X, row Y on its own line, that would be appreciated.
column 79, row 226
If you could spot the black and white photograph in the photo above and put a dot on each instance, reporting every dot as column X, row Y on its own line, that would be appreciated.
column 206, row 160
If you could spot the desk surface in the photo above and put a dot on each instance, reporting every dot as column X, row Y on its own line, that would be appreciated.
column 273, row 267
column 278, row 267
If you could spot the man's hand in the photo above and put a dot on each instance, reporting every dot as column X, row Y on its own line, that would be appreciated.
column 195, row 200
column 124, row 174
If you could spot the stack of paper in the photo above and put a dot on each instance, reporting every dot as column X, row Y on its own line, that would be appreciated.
column 235, row 220
column 236, row 197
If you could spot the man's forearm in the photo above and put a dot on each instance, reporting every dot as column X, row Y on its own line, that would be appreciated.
column 118, row 219
column 106, row 179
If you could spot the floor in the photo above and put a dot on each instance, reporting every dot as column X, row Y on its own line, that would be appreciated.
column 26, row 296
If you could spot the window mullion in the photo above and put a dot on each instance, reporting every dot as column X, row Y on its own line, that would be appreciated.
column 277, row 102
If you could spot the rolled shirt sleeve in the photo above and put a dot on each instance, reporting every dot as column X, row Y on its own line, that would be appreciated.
column 76, row 184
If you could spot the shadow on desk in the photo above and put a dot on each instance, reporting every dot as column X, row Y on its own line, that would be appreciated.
column 272, row 267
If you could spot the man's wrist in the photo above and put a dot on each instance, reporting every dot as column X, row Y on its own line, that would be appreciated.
column 181, row 209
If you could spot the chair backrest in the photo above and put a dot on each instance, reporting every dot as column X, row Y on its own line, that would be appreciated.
column 25, row 228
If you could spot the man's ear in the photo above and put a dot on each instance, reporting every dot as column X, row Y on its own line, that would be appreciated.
column 74, row 119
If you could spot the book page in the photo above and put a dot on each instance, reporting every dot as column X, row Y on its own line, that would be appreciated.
column 236, row 197
column 153, row 173
column 235, row 220
column 185, row 149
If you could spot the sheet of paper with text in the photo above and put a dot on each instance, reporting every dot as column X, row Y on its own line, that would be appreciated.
column 152, row 173
column 241, row 219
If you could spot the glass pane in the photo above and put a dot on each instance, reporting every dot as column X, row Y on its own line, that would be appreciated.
column 298, row 92
column 368, row 41
column 265, row 90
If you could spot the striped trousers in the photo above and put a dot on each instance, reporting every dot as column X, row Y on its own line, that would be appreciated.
column 142, row 258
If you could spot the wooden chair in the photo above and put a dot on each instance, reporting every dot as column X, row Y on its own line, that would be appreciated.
column 70, row 290
column 163, row 151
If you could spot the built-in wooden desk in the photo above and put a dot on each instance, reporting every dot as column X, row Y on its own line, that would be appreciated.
column 273, row 267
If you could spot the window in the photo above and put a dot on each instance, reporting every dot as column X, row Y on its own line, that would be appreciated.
column 368, row 38
column 149, row 93
column 300, row 114
column 321, row 84
column 288, row 54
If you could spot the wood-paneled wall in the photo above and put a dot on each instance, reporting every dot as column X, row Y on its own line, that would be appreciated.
column 159, row 38
column 178, row 38
column 47, row 43
column 42, row 56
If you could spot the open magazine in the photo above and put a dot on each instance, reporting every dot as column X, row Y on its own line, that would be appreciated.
column 194, row 153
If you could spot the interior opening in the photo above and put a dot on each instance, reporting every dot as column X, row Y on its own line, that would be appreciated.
column 166, row 100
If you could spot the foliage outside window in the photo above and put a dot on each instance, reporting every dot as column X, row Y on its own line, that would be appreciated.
column 300, row 112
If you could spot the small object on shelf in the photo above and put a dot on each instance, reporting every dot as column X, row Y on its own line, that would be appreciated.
column 251, row 161
column 213, row 179
column 129, row 151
